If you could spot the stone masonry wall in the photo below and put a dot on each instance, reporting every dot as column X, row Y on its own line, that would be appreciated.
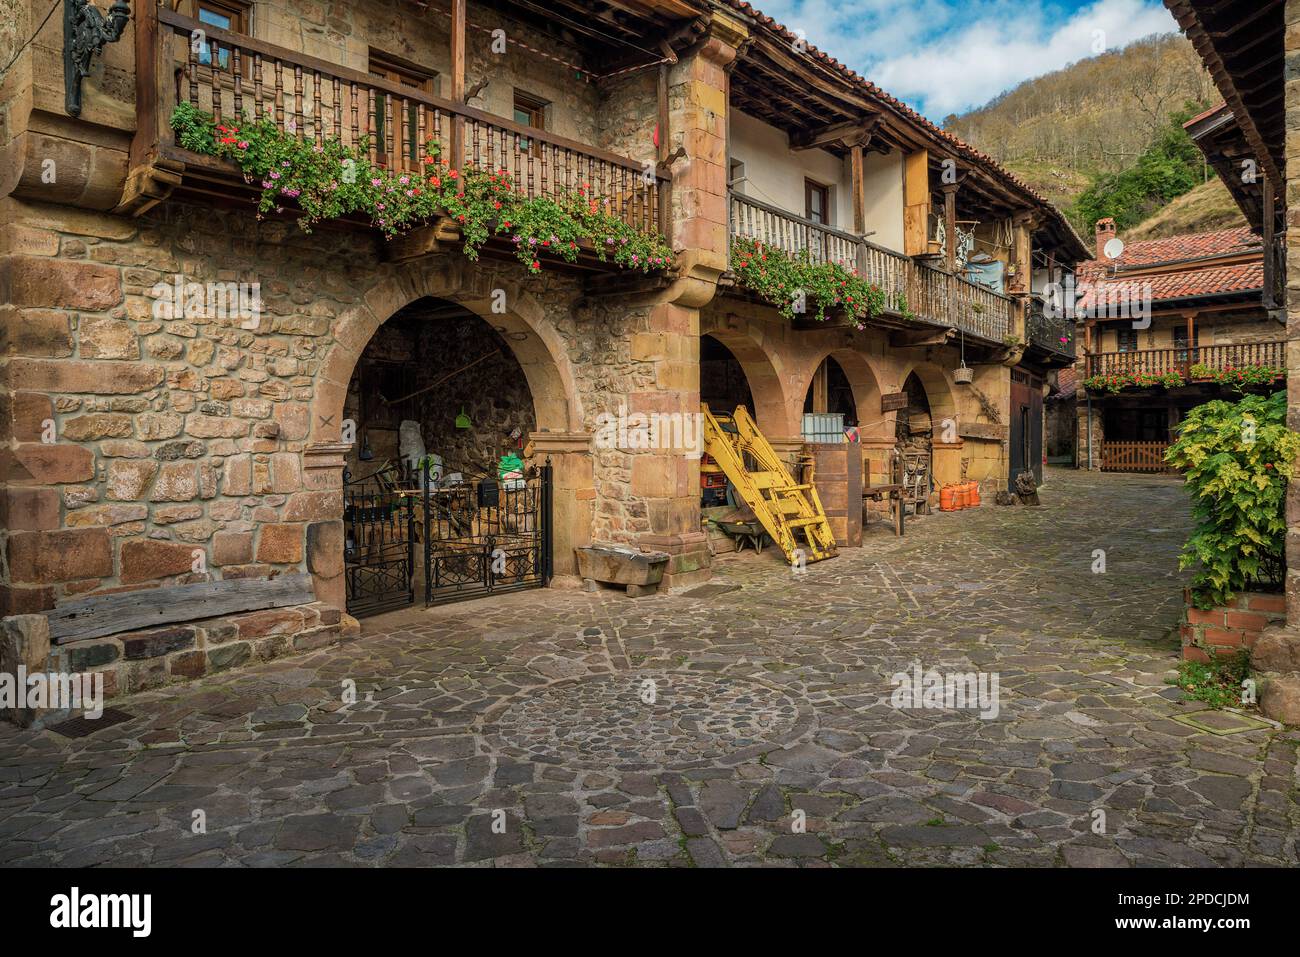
column 149, row 450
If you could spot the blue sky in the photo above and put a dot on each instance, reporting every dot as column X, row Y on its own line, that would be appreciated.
column 947, row 56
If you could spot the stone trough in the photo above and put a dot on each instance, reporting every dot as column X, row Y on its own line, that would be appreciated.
column 639, row 572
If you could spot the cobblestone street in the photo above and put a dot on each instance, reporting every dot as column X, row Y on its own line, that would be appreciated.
column 528, row 712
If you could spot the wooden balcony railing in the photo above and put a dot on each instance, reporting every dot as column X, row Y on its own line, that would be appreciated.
column 930, row 294
column 1221, row 358
column 230, row 75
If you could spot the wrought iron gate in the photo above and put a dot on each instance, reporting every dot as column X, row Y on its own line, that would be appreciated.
column 454, row 535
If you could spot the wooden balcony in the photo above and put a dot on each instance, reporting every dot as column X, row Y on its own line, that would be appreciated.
column 931, row 295
column 1222, row 358
column 231, row 76
column 1054, row 336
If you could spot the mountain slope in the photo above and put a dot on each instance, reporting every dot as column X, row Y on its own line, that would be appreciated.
column 1207, row 208
column 1061, row 130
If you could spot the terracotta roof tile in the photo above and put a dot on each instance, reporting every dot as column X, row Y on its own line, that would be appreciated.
column 1067, row 383
column 1198, row 279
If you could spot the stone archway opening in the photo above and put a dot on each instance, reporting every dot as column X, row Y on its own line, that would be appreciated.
column 448, row 487
column 438, row 379
column 723, row 383
column 830, row 392
column 914, row 426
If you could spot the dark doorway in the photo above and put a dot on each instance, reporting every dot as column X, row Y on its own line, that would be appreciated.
column 1025, row 451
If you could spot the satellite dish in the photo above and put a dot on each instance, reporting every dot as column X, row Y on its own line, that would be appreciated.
column 1114, row 248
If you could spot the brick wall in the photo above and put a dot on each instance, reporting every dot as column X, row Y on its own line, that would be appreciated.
column 1231, row 627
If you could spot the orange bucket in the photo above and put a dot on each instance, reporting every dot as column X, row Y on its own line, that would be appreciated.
column 950, row 498
column 972, row 494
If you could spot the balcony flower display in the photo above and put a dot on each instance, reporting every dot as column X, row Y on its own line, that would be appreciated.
column 797, row 285
column 1119, row 381
column 329, row 180
column 1241, row 376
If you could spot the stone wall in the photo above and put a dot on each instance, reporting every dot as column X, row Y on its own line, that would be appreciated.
column 152, row 450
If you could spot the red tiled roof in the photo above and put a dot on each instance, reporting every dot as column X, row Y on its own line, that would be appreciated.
column 1067, row 383
column 1179, row 248
column 961, row 147
column 1198, row 279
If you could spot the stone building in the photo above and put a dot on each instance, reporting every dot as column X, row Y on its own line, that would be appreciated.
column 1252, row 50
column 150, row 446
column 1171, row 324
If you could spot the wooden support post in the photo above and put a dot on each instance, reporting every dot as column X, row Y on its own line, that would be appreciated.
column 1270, row 253
column 1190, row 359
column 458, row 81
column 950, row 249
column 664, row 189
column 821, row 397
column 950, row 226
column 859, row 197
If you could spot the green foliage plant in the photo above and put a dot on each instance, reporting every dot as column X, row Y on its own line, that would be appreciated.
column 1236, row 458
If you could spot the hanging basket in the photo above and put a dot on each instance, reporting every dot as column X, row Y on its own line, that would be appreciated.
column 963, row 375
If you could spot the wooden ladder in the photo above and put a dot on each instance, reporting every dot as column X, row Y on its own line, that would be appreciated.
column 790, row 512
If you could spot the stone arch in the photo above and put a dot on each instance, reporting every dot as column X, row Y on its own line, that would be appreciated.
column 533, row 339
column 938, row 390
column 537, row 347
column 863, row 380
column 763, row 371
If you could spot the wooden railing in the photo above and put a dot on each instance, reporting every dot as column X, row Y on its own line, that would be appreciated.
column 1221, row 358
column 1134, row 457
column 930, row 294
column 230, row 75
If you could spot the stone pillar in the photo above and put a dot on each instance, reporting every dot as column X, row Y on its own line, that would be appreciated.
column 573, row 492
column 1277, row 652
column 1098, row 432
column 321, row 502
column 666, row 481
column 25, row 645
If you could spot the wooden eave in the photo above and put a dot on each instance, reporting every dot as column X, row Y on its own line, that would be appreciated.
column 1241, row 43
column 803, row 96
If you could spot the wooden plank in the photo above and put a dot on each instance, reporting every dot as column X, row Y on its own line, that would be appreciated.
column 982, row 430
column 103, row 615
column 893, row 401
column 916, row 203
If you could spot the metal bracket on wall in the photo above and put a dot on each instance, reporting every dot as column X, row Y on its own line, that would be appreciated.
column 85, row 32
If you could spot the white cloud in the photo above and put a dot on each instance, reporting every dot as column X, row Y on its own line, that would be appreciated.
column 945, row 58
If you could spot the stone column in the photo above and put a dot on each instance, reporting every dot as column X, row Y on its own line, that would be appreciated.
column 667, row 480
column 321, row 502
column 1277, row 652
column 573, row 492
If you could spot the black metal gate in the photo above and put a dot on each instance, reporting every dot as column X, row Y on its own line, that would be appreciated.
column 378, row 543
column 474, row 535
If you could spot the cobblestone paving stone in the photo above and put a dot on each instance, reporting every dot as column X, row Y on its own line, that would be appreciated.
column 770, row 699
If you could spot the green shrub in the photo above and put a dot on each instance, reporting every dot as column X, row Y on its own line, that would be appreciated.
column 1237, row 457
column 1168, row 168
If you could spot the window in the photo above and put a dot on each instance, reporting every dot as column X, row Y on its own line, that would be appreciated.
column 404, row 142
column 817, row 201
column 529, row 111
column 229, row 15
column 1128, row 340
column 1180, row 341
column 736, row 177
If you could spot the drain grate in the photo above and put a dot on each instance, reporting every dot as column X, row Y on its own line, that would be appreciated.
column 82, row 726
